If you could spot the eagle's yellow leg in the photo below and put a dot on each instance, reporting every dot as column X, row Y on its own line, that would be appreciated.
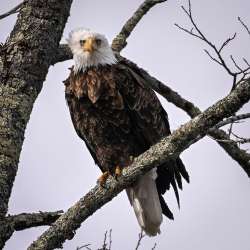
column 118, row 171
column 103, row 178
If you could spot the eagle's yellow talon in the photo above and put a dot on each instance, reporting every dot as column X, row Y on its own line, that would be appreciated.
column 118, row 171
column 103, row 178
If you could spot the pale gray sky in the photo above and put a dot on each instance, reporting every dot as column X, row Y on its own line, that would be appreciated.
column 55, row 169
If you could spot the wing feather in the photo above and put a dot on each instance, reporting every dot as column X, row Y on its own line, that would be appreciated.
column 150, row 121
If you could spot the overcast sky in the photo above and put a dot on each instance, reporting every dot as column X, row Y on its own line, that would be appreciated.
column 56, row 170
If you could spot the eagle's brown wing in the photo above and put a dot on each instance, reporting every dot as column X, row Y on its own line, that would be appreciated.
column 73, row 105
column 150, row 122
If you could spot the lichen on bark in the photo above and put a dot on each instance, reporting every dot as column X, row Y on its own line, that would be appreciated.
column 25, row 59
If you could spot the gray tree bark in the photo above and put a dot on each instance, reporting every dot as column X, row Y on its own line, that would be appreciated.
column 24, row 62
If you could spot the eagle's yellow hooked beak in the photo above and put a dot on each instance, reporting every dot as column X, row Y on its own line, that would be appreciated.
column 89, row 45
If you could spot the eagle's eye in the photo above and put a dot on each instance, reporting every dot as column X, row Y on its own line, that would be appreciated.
column 98, row 42
column 82, row 42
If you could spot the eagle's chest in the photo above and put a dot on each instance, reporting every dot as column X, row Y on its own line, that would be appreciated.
column 97, row 87
column 96, row 105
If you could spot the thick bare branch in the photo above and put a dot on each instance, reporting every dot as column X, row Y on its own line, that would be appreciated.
column 239, row 155
column 63, row 53
column 168, row 148
column 12, row 11
column 220, row 136
column 24, row 65
column 21, row 82
column 120, row 40
column 12, row 223
column 28, row 220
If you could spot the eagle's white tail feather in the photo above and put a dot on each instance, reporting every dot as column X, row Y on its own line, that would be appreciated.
column 145, row 200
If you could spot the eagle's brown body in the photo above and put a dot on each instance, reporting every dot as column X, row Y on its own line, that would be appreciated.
column 119, row 117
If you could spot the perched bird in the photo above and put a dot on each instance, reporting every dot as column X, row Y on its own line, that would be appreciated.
column 119, row 117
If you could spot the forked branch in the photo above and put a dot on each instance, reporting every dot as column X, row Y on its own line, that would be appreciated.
column 220, row 136
column 243, row 158
column 240, row 139
column 119, row 41
column 196, row 32
column 168, row 148
column 232, row 119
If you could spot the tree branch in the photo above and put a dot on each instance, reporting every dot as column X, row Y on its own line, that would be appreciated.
column 63, row 53
column 220, row 136
column 244, row 25
column 140, row 237
column 12, row 11
column 220, row 59
column 28, row 220
column 119, row 41
column 239, row 155
column 24, row 62
column 18, row 222
column 232, row 119
column 24, row 66
column 168, row 148
column 241, row 140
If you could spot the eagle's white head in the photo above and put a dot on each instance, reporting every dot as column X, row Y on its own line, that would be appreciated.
column 89, row 49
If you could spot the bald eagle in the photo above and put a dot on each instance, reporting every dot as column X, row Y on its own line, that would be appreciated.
column 119, row 117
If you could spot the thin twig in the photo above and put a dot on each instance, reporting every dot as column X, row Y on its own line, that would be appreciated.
column 167, row 149
column 196, row 32
column 230, row 129
column 227, row 42
column 110, row 239
column 141, row 236
column 188, row 31
column 12, row 11
column 119, row 41
column 235, row 64
column 244, row 25
column 213, row 58
column 154, row 247
column 241, row 71
column 85, row 246
column 241, row 140
column 247, row 63
column 232, row 119
column 104, row 244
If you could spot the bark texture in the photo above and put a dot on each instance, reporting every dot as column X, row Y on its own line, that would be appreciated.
column 24, row 62
column 13, row 223
column 168, row 148
column 220, row 136
column 119, row 41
